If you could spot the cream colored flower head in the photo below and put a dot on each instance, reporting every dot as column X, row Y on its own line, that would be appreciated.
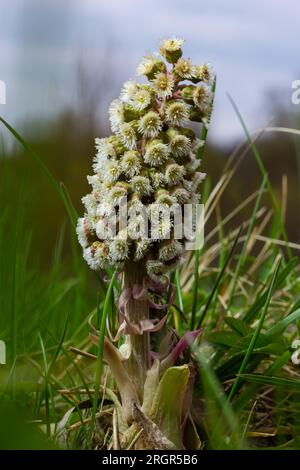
column 150, row 161
column 171, row 45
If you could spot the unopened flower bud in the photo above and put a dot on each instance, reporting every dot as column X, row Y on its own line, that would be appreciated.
column 187, row 93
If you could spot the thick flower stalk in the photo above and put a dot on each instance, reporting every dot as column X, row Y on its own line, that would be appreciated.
column 150, row 162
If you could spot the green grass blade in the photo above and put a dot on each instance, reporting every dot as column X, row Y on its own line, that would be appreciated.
column 255, row 334
column 246, row 395
column 99, row 362
column 219, row 278
column 264, row 174
column 215, row 397
column 61, row 192
column 46, row 390
column 259, row 303
column 59, row 346
column 195, row 288
column 33, row 155
column 279, row 382
column 242, row 257
column 69, row 205
column 283, row 324
column 178, row 290
column 200, row 153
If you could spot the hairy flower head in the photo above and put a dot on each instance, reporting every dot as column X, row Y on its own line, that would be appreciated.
column 184, row 68
column 154, row 267
column 176, row 113
column 117, row 192
column 131, row 163
column 163, row 84
column 150, row 124
column 202, row 96
column 97, row 255
column 141, row 185
column 169, row 250
column 165, row 198
column 181, row 195
column 161, row 229
column 127, row 133
column 111, row 171
column 141, row 248
column 171, row 49
column 141, row 99
column 119, row 249
column 174, row 173
column 158, row 179
column 116, row 115
column 128, row 91
column 180, row 145
column 83, row 231
column 156, row 153
column 203, row 73
column 150, row 65
column 90, row 202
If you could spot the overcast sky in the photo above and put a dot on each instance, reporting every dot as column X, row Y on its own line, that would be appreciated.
column 254, row 47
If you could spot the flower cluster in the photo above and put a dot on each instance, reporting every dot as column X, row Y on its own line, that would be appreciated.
column 150, row 159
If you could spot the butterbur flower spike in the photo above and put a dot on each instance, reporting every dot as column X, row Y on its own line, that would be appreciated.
column 150, row 160
column 151, row 148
